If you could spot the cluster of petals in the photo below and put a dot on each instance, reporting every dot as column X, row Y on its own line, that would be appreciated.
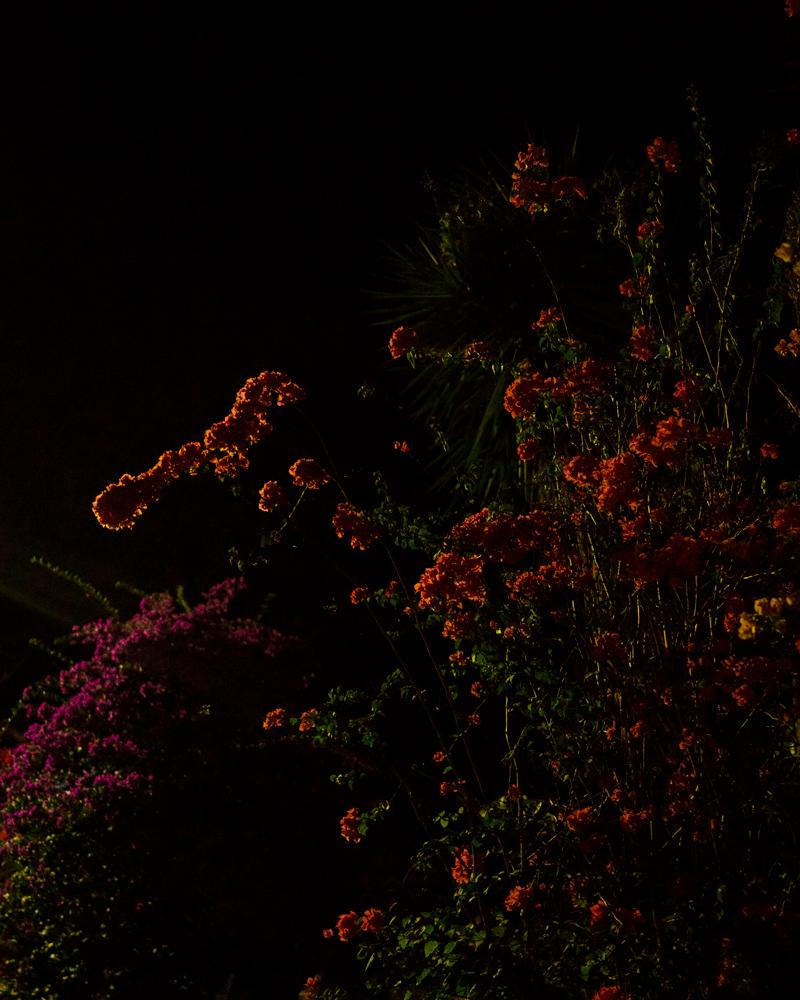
column 611, row 993
column 502, row 537
column 272, row 497
column 642, row 342
column 649, row 229
column 454, row 581
column 121, row 503
column 348, row 825
column 530, row 188
column 790, row 346
column 546, row 318
column 225, row 445
column 464, row 866
column 350, row 924
column 519, row 898
column 666, row 152
column 586, row 378
column 362, row 530
column 401, row 341
column 274, row 719
column 532, row 584
column 308, row 473
column 668, row 444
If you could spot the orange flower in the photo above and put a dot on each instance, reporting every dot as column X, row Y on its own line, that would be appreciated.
column 271, row 497
column 519, row 897
column 401, row 341
column 274, row 719
column 308, row 473
column 348, row 825
column 348, row 925
column 666, row 152
column 308, row 720
column 372, row 920
column 359, row 595
column 348, row 518
column 463, row 866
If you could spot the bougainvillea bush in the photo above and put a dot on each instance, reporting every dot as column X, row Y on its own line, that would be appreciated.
column 132, row 803
column 578, row 729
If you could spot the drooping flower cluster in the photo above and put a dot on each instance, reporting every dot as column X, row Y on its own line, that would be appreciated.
column 225, row 448
column 532, row 191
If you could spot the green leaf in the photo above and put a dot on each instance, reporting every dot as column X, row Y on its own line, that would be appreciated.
column 430, row 948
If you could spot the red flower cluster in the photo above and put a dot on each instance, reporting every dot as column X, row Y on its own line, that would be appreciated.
column 647, row 230
column 505, row 538
column 793, row 8
column 642, row 341
column 225, row 446
column 359, row 595
column 363, row 531
column 586, row 379
column 791, row 346
column 453, row 581
column 529, row 188
column 519, row 897
column 666, row 152
column 611, row 993
column 121, row 503
column 348, row 825
column 308, row 473
column 528, row 450
column 274, row 719
column 672, row 438
column 546, row 318
column 272, row 497
column 464, row 866
column 401, row 341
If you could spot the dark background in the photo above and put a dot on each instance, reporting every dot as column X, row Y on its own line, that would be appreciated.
column 190, row 194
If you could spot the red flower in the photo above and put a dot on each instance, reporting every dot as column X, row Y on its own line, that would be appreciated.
column 359, row 595
column 546, row 318
column 793, row 134
column 769, row 450
column 348, row 925
column 308, row 720
column 274, row 719
column 528, row 450
column 311, row 988
column 647, row 230
column 666, row 152
column 401, row 341
column 641, row 342
column 464, row 866
column 611, row 993
column 372, row 920
column 348, row 825
column 271, row 497
column 519, row 897
column 364, row 532
column 452, row 580
column 793, row 8
column 308, row 473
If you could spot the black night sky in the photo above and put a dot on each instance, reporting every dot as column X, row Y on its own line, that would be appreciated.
column 190, row 194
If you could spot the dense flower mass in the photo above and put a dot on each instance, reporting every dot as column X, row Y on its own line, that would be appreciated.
column 308, row 473
column 362, row 530
column 453, row 581
column 225, row 448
